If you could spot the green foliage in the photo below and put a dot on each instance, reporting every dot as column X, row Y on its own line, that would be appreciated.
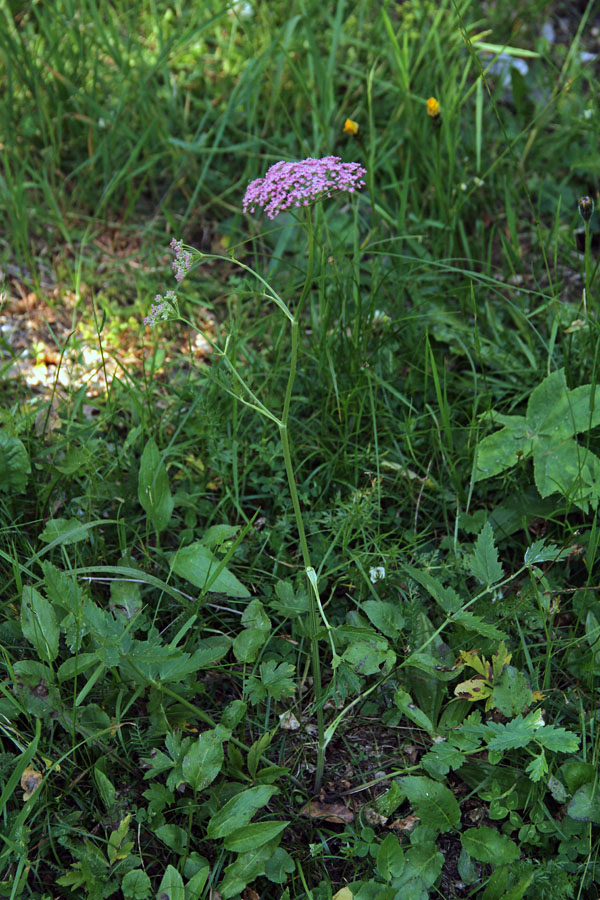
column 170, row 659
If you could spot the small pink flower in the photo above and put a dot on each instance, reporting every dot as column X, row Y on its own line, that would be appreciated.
column 162, row 308
column 183, row 259
column 289, row 184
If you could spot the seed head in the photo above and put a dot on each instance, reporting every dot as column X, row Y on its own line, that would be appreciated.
column 586, row 208
column 300, row 183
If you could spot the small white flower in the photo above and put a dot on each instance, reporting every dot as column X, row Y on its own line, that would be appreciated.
column 588, row 113
column 376, row 573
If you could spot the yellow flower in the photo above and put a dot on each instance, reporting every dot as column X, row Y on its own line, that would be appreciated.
column 350, row 127
column 433, row 108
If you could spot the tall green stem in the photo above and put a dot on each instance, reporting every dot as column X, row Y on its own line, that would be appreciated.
column 289, row 468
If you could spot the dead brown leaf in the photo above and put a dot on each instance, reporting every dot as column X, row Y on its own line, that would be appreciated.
column 406, row 824
column 330, row 812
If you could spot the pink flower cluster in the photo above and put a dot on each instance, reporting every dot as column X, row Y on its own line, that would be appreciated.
column 162, row 308
column 183, row 259
column 289, row 184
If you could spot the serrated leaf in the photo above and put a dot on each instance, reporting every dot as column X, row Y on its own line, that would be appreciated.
column 154, row 492
column 136, row 885
column 540, row 551
column 14, row 464
column 558, row 739
column 475, row 623
column 197, row 565
column 432, row 802
column 238, row 811
column 510, row 736
column 537, row 768
column 277, row 678
column 488, row 845
column 511, row 693
column 441, row 758
column 483, row 562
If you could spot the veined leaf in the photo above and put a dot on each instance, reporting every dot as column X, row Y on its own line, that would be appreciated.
column 488, row 845
column 432, row 802
column 483, row 562
column 197, row 565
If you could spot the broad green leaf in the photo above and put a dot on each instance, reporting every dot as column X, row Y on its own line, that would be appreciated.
column 171, row 885
column 136, row 885
column 233, row 714
column 38, row 624
column 483, row 562
column 488, row 845
column 407, row 706
column 576, row 773
column 173, row 836
column 254, row 616
column 290, row 604
column 154, row 492
column 279, row 866
column 369, row 657
column 511, row 693
column 384, row 616
column 278, row 679
column 247, row 643
column 197, row 565
column 585, row 804
column 245, row 869
column 423, row 864
column 390, row 858
column 432, row 802
column 64, row 531
column 75, row 665
column 202, row 763
column 238, row 811
column 253, row 835
column 502, row 449
column 14, row 464
column 195, row 886
column 217, row 535
column 566, row 467
column 210, row 650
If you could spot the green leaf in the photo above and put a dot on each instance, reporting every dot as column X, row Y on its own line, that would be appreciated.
column 576, row 773
column 483, row 563
column 585, row 805
column 14, row 464
column 136, row 885
column 502, row 450
column 202, row 763
column 475, row 623
column 38, row 624
column 210, row 650
column 390, row 858
column 511, row 693
column 171, row 885
column 538, row 767
column 369, row 657
column 558, row 739
column 195, row 886
column 278, row 679
column 217, row 535
column 245, row 869
column 279, row 866
column 238, row 811
column 432, row 802
column 64, row 531
column 423, row 864
column 489, row 846
column 290, row 604
column 197, row 565
column 385, row 616
column 173, row 836
column 253, row 835
column 441, row 758
column 247, row 643
column 406, row 705
column 254, row 616
column 154, row 493
column 106, row 788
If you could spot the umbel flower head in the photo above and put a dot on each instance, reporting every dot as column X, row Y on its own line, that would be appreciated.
column 300, row 183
